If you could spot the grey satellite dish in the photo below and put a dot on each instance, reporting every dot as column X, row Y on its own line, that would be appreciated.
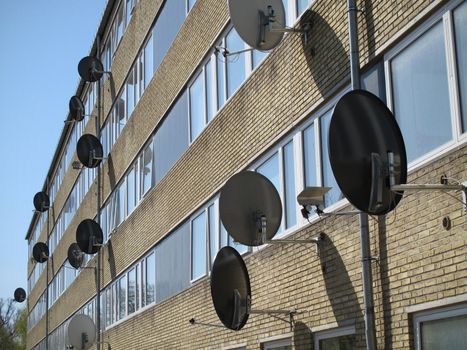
column 90, row 69
column 364, row 139
column 20, row 295
column 250, row 208
column 230, row 288
column 81, row 332
column 40, row 252
column 75, row 255
column 77, row 109
column 231, row 291
column 41, row 201
column 89, row 151
column 259, row 23
column 89, row 236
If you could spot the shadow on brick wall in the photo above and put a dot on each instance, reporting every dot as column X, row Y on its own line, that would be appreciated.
column 384, row 277
column 324, row 52
column 341, row 293
column 302, row 337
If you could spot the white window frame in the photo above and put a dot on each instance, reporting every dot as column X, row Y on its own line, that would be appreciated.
column 434, row 314
column 332, row 333
column 445, row 16
column 273, row 344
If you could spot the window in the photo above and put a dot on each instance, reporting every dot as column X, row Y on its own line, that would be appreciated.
column 235, row 64
column 122, row 297
column 213, row 234
column 283, row 344
column 441, row 328
column 131, row 190
column 289, row 184
column 309, row 155
column 460, row 28
column 146, row 168
column 197, row 106
column 421, row 93
column 148, row 61
column 336, row 339
column 334, row 195
column 190, row 4
column 132, row 291
column 198, row 246
column 150, row 278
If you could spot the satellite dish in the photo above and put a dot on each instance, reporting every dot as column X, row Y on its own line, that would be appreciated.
column 75, row 255
column 362, row 132
column 77, row 109
column 41, row 201
column 20, row 295
column 89, row 150
column 90, row 69
column 247, row 201
column 230, row 288
column 89, row 236
column 253, row 20
column 40, row 252
column 81, row 332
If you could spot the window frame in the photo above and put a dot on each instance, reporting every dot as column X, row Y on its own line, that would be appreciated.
column 433, row 315
column 274, row 344
column 445, row 16
column 332, row 333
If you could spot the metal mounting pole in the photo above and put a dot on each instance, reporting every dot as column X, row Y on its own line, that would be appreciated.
column 98, row 270
column 370, row 332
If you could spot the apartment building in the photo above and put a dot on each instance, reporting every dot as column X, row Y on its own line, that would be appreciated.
column 177, row 119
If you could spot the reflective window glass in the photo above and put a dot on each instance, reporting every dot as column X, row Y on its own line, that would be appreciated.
column 198, row 246
column 132, row 291
column 150, row 278
column 289, row 182
column 197, row 107
column 235, row 64
column 421, row 94
column 460, row 27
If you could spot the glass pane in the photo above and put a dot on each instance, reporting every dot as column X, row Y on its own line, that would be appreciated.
column 309, row 153
column 302, row 5
column 258, row 57
column 220, row 79
column 122, row 297
column 421, row 94
column 120, row 110
column 146, row 171
column 130, row 87
column 198, row 246
column 148, row 61
column 270, row 169
column 190, row 4
column 289, row 182
column 329, row 180
column 213, row 247
column 121, row 203
column 150, row 278
column 345, row 342
column 197, row 107
column 460, row 27
column 236, row 63
column 210, row 107
column 131, row 202
column 448, row 333
column 132, row 291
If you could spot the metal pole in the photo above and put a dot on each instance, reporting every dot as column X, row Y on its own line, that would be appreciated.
column 98, row 272
column 370, row 332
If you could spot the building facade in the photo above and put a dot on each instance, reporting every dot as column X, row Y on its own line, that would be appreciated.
column 178, row 119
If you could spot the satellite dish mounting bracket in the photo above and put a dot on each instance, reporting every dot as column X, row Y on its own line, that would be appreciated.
column 262, row 224
column 444, row 186
column 266, row 21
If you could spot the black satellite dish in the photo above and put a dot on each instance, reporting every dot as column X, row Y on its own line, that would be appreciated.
column 77, row 109
column 89, row 150
column 20, row 295
column 362, row 133
column 41, row 201
column 89, row 236
column 75, row 255
column 40, row 252
column 90, row 69
column 230, row 288
column 247, row 203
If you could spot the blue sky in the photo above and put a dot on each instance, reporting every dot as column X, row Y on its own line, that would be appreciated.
column 41, row 43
